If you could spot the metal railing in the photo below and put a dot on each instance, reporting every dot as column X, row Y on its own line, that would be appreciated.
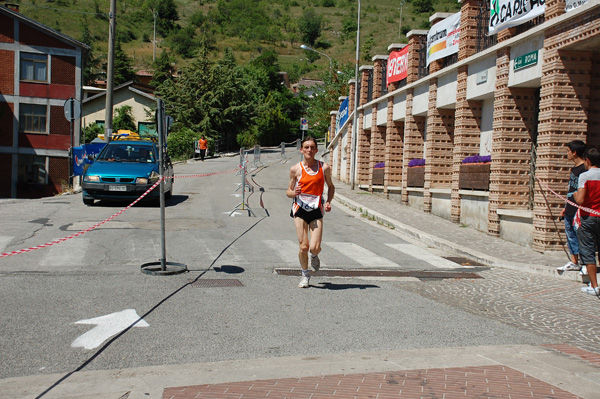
column 370, row 86
column 449, row 60
column 384, row 89
column 484, row 41
column 530, row 24
column 423, row 67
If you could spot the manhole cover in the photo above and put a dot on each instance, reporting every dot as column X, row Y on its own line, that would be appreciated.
column 463, row 261
column 215, row 283
column 382, row 273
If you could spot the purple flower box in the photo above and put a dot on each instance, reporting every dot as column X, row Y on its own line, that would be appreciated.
column 379, row 165
column 416, row 162
column 477, row 159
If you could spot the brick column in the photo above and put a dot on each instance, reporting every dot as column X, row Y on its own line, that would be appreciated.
column 565, row 114
column 594, row 111
column 440, row 137
column 332, row 124
column 378, row 139
column 379, row 61
column 468, row 28
column 467, row 133
column 394, row 148
column 351, row 89
column 416, row 38
column 511, row 144
column 554, row 8
column 363, row 151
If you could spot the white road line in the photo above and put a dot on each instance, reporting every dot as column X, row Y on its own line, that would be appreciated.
column 4, row 241
column 424, row 255
column 288, row 251
column 361, row 255
column 68, row 253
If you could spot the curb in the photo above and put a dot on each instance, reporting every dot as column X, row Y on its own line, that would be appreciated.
column 454, row 248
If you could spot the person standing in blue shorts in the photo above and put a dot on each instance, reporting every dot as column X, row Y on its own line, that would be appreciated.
column 575, row 150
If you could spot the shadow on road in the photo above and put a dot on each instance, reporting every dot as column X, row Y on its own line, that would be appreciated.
column 336, row 287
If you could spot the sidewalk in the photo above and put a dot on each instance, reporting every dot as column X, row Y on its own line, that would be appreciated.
column 441, row 233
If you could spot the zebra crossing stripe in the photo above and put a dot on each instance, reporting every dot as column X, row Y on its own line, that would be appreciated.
column 361, row 255
column 424, row 255
column 287, row 250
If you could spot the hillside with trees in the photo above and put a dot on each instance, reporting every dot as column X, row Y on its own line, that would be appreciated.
column 228, row 53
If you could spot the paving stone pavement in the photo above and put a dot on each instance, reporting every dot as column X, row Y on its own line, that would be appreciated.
column 452, row 383
column 548, row 307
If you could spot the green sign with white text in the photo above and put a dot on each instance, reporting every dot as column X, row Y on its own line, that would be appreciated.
column 526, row 60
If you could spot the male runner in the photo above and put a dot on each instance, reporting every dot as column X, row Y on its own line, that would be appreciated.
column 307, row 184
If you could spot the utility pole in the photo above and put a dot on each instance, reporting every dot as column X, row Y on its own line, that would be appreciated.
column 154, row 40
column 110, row 71
column 355, row 116
column 400, row 23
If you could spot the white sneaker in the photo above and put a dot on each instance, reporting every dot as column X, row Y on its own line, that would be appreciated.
column 568, row 267
column 315, row 262
column 583, row 271
column 304, row 282
column 590, row 290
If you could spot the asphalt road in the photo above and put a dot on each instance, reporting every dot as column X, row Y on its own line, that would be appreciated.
column 46, row 291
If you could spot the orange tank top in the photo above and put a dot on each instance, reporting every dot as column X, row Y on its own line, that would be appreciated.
column 313, row 186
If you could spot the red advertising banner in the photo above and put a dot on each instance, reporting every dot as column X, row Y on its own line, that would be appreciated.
column 397, row 66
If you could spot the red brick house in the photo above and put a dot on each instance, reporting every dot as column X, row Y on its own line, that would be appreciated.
column 41, row 68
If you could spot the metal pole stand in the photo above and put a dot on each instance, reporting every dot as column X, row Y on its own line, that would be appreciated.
column 242, row 206
column 257, row 162
column 283, row 150
column 162, row 267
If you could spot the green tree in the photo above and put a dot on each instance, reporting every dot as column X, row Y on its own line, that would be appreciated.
column 167, row 15
column 123, row 119
column 162, row 69
column 91, row 131
column 326, row 99
column 310, row 25
column 91, row 64
column 423, row 6
column 181, row 143
column 123, row 70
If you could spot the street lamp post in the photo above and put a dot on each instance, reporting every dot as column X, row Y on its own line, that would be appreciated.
column 354, row 117
column 304, row 47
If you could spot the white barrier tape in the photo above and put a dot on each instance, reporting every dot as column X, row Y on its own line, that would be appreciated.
column 58, row 241
column 591, row 211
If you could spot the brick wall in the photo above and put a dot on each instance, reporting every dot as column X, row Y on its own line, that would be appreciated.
column 7, row 72
column 467, row 131
column 511, row 144
column 58, row 123
column 363, row 149
column 468, row 28
column 34, row 37
column 351, row 88
column 378, row 141
column 7, row 29
column 593, row 134
column 63, row 70
column 7, row 119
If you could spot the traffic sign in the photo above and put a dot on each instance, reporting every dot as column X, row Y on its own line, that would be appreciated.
column 72, row 109
column 303, row 124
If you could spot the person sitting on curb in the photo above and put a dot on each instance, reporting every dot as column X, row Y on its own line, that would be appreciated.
column 588, row 234
column 575, row 150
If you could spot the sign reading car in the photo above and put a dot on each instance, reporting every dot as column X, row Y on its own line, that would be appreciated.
column 509, row 13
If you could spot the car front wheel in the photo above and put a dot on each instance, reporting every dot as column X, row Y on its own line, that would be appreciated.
column 88, row 201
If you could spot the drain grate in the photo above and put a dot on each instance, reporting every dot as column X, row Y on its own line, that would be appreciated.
column 382, row 273
column 463, row 261
column 215, row 283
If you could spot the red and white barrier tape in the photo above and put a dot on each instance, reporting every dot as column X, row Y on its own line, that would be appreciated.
column 591, row 211
column 58, row 241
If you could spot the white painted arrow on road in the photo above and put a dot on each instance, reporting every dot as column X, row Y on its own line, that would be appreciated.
column 106, row 327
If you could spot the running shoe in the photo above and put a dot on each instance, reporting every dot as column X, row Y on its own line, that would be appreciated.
column 583, row 271
column 590, row 290
column 315, row 262
column 569, row 267
column 304, row 282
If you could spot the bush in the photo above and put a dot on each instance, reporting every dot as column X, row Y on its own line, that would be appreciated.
column 181, row 143
column 328, row 3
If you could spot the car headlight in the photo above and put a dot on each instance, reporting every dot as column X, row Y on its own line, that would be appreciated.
column 92, row 178
column 141, row 180
column 154, row 177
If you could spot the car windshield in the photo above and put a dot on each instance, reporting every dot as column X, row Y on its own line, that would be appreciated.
column 127, row 153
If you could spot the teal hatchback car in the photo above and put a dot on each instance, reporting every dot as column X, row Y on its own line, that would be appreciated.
column 124, row 170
